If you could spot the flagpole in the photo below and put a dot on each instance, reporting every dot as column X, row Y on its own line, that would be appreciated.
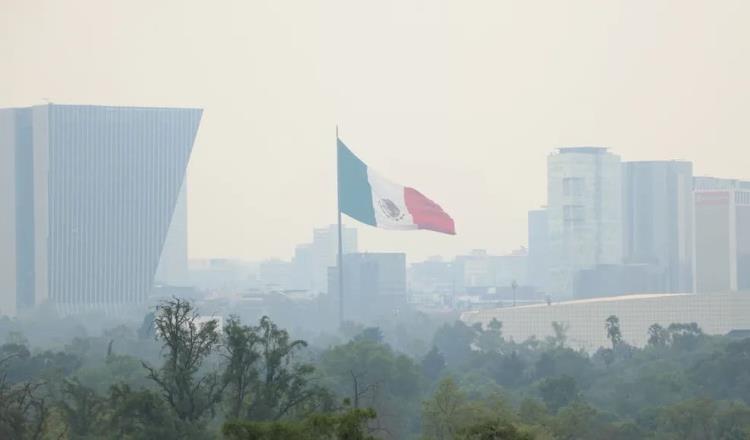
column 340, row 262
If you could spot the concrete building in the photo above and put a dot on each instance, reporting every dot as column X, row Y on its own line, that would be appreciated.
column 302, row 267
column 275, row 274
column 717, row 314
column 538, row 266
column 658, row 222
column 91, row 191
column 584, row 214
column 722, row 235
column 480, row 269
column 434, row 275
column 372, row 282
column 312, row 260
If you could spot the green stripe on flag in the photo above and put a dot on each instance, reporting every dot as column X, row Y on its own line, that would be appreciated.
column 355, row 193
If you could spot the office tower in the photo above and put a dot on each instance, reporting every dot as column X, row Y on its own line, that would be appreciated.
column 325, row 252
column 722, row 235
column 538, row 248
column 94, row 190
column 373, row 282
column 173, row 263
column 658, row 221
column 584, row 214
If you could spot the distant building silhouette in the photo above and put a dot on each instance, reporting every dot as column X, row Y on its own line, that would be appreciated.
column 312, row 260
column 373, row 283
column 173, row 264
column 658, row 222
column 538, row 259
column 722, row 235
column 92, row 191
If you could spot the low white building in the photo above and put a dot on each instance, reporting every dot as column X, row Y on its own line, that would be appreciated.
column 716, row 314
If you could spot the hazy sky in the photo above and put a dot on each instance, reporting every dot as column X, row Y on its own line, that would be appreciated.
column 461, row 99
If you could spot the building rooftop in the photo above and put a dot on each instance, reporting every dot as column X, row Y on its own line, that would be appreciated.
column 604, row 299
column 582, row 150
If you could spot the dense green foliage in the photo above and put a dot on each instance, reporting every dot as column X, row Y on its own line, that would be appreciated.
column 178, row 375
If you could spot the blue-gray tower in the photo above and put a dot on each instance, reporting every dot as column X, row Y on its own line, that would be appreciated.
column 93, row 190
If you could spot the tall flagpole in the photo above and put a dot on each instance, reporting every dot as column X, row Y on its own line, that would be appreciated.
column 340, row 264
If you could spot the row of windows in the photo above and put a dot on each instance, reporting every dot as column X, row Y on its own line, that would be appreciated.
column 114, row 177
column 742, row 197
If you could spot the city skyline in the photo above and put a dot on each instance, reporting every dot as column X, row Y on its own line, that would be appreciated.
column 479, row 96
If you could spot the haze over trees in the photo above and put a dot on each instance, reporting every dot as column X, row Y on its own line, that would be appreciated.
column 180, row 375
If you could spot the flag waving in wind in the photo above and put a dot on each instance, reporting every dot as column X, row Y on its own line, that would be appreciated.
column 366, row 196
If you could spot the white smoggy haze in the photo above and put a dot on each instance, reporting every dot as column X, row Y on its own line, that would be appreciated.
column 462, row 100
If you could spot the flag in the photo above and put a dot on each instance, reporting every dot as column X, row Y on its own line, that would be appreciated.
column 366, row 196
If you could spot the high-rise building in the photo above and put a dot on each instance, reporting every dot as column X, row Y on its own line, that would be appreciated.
column 372, row 282
column 658, row 221
column 311, row 260
column 538, row 248
column 91, row 191
column 722, row 235
column 325, row 252
column 433, row 275
column 302, row 263
column 173, row 264
column 584, row 214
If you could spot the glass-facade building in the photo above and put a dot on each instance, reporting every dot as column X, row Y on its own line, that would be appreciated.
column 94, row 193
column 658, row 221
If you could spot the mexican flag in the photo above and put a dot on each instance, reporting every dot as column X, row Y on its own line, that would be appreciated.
column 366, row 196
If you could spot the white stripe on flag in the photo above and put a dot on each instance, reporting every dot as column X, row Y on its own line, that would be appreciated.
column 388, row 203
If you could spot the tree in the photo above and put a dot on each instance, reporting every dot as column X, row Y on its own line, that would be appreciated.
column 433, row 364
column 23, row 413
column 612, row 325
column 241, row 371
column 376, row 377
column 491, row 339
column 373, row 334
column 82, row 408
column 281, row 386
column 444, row 415
column 455, row 342
column 558, row 392
column 578, row 421
column 724, row 373
column 347, row 424
column 187, row 342
column 685, row 336
column 510, row 369
column 561, row 334
column 658, row 336
column 494, row 430
column 139, row 415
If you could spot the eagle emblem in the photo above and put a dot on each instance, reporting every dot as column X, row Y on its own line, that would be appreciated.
column 390, row 209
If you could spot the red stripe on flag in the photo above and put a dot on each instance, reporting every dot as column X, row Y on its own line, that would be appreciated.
column 426, row 213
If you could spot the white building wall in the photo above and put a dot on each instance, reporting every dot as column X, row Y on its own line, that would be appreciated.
column 716, row 314
column 7, row 213
column 40, row 115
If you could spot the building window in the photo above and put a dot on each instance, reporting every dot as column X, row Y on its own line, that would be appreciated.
column 573, row 186
column 573, row 215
